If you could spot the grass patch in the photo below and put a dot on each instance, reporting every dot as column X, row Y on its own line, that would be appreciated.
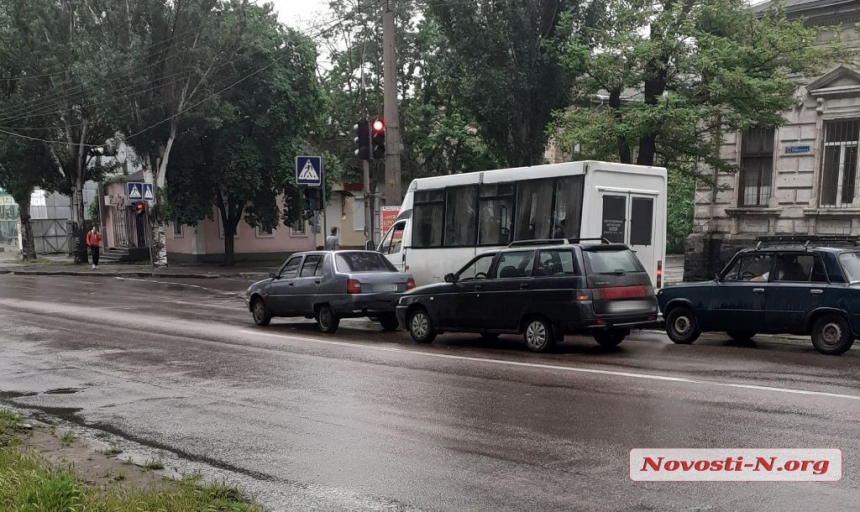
column 68, row 438
column 29, row 483
column 153, row 465
column 112, row 451
column 9, row 429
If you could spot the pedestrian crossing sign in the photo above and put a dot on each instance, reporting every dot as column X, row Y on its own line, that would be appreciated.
column 309, row 170
column 134, row 190
column 147, row 192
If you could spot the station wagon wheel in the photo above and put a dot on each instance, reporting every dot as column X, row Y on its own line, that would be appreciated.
column 261, row 313
column 681, row 326
column 832, row 335
column 421, row 326
column 609, row 337
column 538, row 334
column 327, row 320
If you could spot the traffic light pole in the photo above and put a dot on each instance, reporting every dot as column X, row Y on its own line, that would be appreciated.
column 368, row 211
column 393, row 195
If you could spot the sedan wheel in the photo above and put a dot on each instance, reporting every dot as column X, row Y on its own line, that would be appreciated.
column 421, row 327
column 327, row 320
column 681, row 326
column 262, row 317
column 538, row 335
column 831, row 335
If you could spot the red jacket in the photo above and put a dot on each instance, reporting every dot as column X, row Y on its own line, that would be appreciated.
column 94, row 239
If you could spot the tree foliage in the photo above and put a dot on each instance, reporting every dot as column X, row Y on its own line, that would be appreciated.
column 657, row 83
column 505, row 74
column 439, row 135
column 671, row 74
column 238, row 154
column 57, row 54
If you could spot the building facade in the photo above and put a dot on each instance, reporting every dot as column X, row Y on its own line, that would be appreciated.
column 799, row 179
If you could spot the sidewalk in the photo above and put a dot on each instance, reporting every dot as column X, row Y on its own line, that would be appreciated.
column 63, row 266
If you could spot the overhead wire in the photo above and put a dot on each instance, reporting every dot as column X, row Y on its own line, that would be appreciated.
column 7, row 130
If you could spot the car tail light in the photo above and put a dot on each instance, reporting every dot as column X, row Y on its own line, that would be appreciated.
column 660, row 274
column 410, row 284
column 624, row 292
column 583, row 296
column 353, row 286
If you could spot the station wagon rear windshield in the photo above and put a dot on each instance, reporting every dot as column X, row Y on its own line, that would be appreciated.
column 851, row 264
column 362, row 262
column 612, row 262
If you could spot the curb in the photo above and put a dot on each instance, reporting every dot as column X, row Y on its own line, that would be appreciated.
column 104, row 274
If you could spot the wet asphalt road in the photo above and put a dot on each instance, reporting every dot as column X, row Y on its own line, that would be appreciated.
column 365, row 420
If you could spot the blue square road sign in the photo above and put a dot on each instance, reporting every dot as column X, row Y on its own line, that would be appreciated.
column 309, row 170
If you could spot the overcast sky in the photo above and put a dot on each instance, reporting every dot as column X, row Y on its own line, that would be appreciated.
column 300, row 13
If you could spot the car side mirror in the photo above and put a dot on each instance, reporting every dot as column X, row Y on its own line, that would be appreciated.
column 273, row 275
column 450, row 278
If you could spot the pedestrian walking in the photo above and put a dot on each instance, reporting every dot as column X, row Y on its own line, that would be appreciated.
column 94, row 240
column 332, row 242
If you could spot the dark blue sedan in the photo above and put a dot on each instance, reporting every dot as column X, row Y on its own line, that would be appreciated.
column 791, row 288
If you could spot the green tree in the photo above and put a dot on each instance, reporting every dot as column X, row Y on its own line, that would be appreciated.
column 24, row 166
column 237, row 157
column 54, row 46
column 177, row 52
column 671, row 74
column 506, row 75
column 439, row 136
column 656, row 83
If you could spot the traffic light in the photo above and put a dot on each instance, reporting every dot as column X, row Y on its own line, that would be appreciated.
column 140, row 208
column 314, row 198
column 362, row 140
column 377, row 128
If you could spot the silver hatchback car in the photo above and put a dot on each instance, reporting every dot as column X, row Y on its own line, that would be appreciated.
column 329, row 286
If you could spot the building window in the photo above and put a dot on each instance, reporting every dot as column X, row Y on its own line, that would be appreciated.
column 177, row 228
column 299, row 230
column 357, row 214
column 756, row 166
column 264, row 233
column 839, row 169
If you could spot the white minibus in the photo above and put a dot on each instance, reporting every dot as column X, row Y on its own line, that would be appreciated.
column 445, row 221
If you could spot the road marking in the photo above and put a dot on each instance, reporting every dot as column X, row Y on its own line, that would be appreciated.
column 592, row 371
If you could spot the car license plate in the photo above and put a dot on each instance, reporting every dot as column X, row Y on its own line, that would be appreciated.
column 621, row 306
column 385, row 287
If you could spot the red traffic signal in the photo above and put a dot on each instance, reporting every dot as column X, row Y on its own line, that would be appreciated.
column 140, row 208
column 378, row 138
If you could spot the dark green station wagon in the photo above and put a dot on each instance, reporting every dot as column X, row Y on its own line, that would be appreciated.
column 785, row 285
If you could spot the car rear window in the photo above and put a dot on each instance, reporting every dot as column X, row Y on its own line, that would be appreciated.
column 612, row 262
column 851, row 265
column 362, row 262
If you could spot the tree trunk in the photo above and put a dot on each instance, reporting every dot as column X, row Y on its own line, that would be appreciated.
column 229, row 248
column 623, row 147
column 28, row 244
column 158, row 238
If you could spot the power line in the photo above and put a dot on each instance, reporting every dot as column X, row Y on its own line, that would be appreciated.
column 60, row 95
column 169, row 118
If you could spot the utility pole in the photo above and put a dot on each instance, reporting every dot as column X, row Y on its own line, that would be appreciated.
column 393, row 195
